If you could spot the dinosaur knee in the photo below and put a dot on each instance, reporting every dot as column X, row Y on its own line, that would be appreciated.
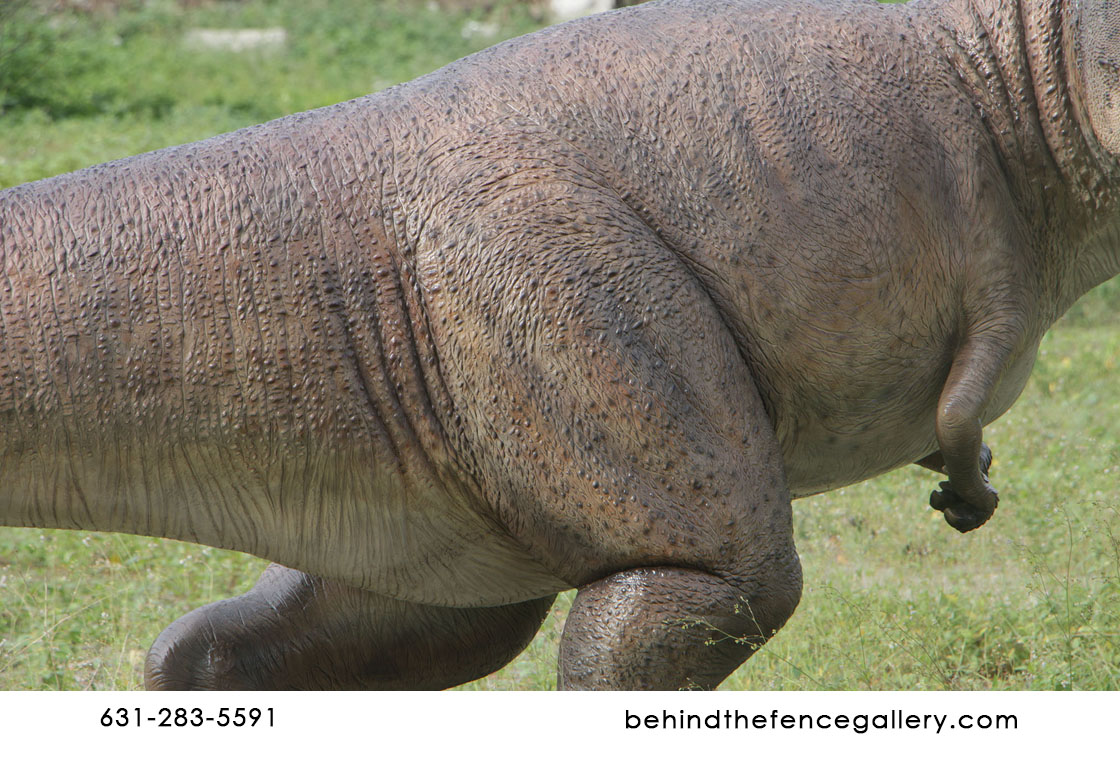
column 201, row 650
column 671, row 628
column 769, row 597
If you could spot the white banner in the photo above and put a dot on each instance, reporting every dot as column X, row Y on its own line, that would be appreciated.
column 572, row 726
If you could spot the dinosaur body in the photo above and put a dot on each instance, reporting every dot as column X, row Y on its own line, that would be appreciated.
column 583, row 310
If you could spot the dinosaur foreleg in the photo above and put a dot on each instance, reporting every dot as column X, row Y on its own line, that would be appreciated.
column 967, row 499
column 936, row 462
column 296, row 631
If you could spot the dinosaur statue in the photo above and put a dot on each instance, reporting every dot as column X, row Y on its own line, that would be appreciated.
column 583, row 310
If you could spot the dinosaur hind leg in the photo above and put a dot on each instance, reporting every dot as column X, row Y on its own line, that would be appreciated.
column 672, row 628
column 296, row 631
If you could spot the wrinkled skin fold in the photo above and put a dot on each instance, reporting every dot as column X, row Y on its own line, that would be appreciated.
column 584, row 310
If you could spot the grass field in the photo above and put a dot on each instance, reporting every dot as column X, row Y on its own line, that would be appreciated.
column 894, row 598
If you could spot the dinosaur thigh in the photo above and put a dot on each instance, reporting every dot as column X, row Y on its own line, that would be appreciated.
column 621, row 439
column 611, row 420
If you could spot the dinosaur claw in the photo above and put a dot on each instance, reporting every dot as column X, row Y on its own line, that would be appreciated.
column 965, row 522
column 943, row 498
column 985, row 459
column 960, row 514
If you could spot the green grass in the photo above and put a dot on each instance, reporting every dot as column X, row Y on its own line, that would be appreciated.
column 82, row 88
column 894, row 598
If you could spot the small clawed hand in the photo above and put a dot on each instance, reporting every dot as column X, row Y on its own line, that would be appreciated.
column 965, row 514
